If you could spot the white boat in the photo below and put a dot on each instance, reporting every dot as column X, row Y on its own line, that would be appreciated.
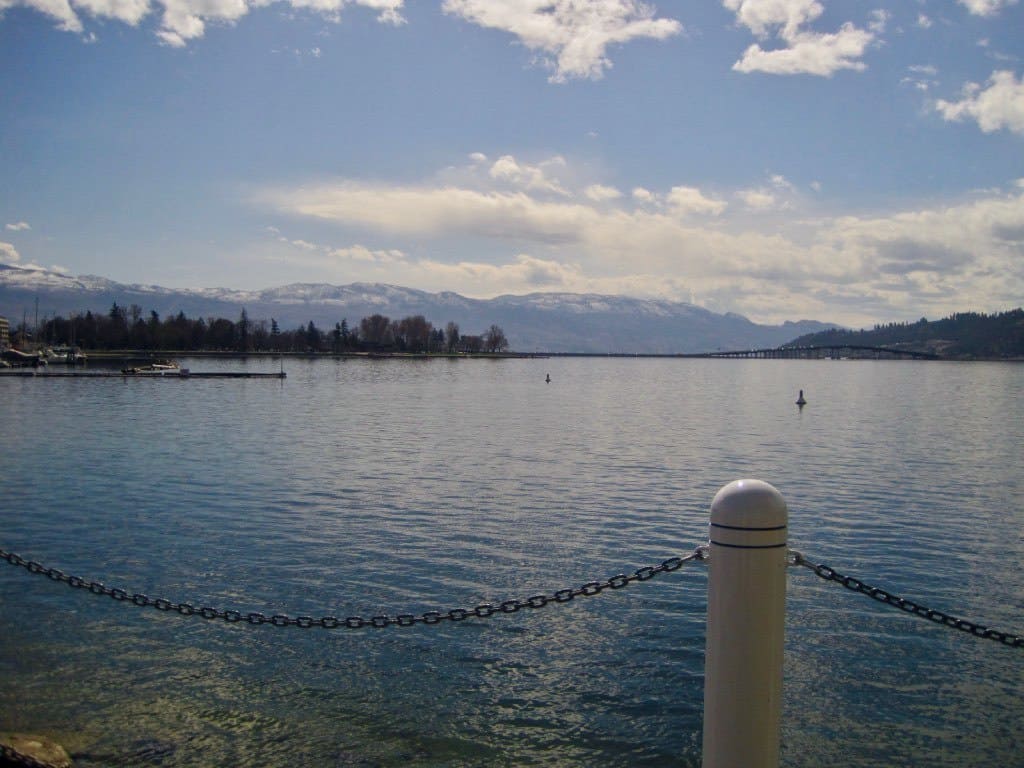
column 157, row 368
column 64, row 356
column 17, row 358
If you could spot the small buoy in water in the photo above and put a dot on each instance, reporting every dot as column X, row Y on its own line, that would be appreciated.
column 800, row 400
column 548, row 379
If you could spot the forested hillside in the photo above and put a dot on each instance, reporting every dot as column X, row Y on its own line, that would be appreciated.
column 965, row 335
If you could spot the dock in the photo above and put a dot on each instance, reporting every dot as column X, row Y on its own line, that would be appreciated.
column 179, row 374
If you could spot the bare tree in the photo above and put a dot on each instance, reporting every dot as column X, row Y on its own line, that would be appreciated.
column 494, row 339
column 451, row 335
column 414, row 333
column 470, row 343
column 375, row 331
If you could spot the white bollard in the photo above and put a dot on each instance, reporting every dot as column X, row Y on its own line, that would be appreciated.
column 746, row 616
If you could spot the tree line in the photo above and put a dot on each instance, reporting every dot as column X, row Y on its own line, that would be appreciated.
column 131, row 328
column 962, row 335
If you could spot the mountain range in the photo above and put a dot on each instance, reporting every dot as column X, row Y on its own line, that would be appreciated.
column 547, row 322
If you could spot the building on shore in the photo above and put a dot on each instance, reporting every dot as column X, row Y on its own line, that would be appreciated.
column 5, row 333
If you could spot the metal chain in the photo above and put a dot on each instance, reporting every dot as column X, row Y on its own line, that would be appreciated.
column 882, row 596
column 486, row 610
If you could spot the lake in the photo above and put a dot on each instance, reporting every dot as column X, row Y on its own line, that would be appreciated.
column 368, row 487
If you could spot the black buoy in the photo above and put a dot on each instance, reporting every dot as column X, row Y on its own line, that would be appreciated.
column 800, row 400
column 547, row 380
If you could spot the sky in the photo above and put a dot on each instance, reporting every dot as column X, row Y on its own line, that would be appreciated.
column 850, row 161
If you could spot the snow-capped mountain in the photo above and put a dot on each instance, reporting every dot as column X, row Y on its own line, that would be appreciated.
column 549, row 322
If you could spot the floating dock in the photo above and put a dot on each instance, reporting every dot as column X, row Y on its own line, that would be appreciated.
column 179, row 374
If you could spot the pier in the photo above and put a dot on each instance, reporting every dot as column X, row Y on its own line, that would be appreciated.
column 36, row 373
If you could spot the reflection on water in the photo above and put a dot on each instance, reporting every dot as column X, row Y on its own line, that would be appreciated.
column 355, row 488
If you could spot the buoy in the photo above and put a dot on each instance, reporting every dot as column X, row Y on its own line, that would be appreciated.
column 548, row 379
column 800, row 400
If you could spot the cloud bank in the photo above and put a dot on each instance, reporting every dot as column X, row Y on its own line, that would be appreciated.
column 682, row 243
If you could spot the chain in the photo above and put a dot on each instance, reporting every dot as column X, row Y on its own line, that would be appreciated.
column 882, row 596
column 486, row 610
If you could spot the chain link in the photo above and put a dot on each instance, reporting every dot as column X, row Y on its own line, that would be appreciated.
column 882, row 596
column 486, row 610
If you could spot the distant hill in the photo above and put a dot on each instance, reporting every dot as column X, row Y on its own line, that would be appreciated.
column 548, row 322
column 967, row 335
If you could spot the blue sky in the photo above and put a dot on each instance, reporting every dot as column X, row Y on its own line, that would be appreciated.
column 841, row 160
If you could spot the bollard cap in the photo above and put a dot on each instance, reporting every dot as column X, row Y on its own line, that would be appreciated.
column 749, row 504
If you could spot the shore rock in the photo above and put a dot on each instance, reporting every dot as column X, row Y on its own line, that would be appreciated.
column 39, row 750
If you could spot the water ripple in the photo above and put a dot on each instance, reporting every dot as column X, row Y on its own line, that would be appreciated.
column 355, row 488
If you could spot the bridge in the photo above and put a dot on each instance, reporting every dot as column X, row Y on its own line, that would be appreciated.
column 825, row 352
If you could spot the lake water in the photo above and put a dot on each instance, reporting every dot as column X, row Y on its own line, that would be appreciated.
column 386, row 486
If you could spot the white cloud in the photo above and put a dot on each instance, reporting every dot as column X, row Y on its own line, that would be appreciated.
column 778, row 194
column 921, row 77
column 757, row 199
column 781, row 262
column 879, row 19
column 305, row 253
column 572, row 37
column 809, row 54
column 924, row 22
column 680, row 200
column 804, row 51
column 389, row 11
column 601, row 193
column 763, row 16
column 362, row 253
column 687, row 200
column 58, row 10
column 19, row 226
column 428, row 211
column 185, row 20
column 642, row 195
column 531, row 177
column 986, row 7
column 9, row 254
column 524, row 274
column 128, row 11
column 998, row 106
